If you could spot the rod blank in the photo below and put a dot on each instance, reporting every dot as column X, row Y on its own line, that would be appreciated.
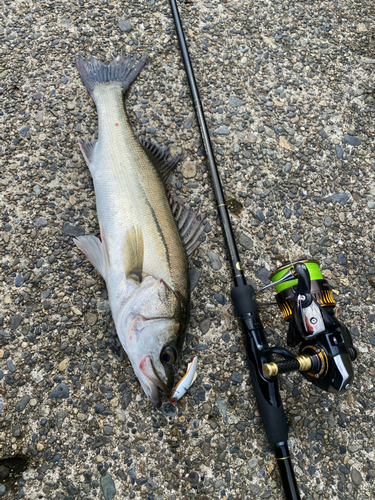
column 239, row 277
column 266, row 391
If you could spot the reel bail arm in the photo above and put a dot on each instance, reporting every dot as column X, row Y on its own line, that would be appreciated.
column 290, row 275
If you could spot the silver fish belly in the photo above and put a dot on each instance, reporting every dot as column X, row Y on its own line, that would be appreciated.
column 140, row 255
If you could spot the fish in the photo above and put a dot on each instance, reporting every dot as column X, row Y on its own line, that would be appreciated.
column 146, row 237
column 185, row 383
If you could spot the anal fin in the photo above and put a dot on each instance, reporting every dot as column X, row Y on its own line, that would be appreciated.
column 133, row 254
column 87, row 150
column 189, row 226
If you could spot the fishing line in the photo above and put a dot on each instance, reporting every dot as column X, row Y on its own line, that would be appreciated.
column 284, row 232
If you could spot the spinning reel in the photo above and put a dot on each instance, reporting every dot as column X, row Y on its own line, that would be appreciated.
column 326, row 349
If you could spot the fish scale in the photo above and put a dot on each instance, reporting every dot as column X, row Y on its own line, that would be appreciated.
column 133, row 203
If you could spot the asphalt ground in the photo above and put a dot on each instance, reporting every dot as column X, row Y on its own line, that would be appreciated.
column 288, row 90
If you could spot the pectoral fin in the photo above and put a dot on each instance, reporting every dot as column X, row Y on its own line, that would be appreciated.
column 132, row 254
column 95, row 251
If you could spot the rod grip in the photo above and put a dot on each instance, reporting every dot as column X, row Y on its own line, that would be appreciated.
column 273, row 417
column 266, row 390
column 243, row 300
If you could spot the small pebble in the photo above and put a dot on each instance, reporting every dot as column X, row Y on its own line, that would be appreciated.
column 19, row 280
column 245, row 241
column 287, row 212
column 11, row 366
column 339, row 152
column 194, row 275
column 73, row 231
column 61, row 391
column 254, row 489
column 296, row 237
column 63, row 365
column 16, row 430
column 342, row 259
column 260, row 215
column 96, row 367
column 236, row 377
column 99, row 408
column 235, row 102
column 263, row 274
column 40, row 222
column 188, row 123
column 169, row 410
column 21, row 405
column 189, row 169
column 220, row 298
column 24, row 130
column 205, row 325
column 356, row 476
column 108, row 430
column 126, row 398
column 328, row 221
column 224, row 130
column 341, row 198
column 352, row 140
column 4, row 472
column 214, row 260
column 193, row 477
column 125, row 26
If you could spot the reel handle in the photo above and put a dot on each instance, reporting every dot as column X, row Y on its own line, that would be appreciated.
column 301, row 363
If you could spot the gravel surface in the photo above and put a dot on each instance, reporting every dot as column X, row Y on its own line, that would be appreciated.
column 288, row 90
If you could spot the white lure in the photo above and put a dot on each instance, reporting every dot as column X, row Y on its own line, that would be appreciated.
column 186, row 382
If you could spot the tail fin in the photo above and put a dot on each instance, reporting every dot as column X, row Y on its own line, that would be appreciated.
column 122, row 69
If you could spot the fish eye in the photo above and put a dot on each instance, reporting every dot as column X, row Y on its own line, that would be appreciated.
column 168, row 356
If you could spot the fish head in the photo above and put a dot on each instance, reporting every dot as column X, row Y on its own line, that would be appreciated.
column 152, row 332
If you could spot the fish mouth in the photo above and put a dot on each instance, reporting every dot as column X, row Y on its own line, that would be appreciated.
column 153, row 381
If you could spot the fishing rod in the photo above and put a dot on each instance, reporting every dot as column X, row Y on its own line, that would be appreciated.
column 306, row 301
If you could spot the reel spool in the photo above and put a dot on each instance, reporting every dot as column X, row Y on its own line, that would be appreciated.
column 320, row 288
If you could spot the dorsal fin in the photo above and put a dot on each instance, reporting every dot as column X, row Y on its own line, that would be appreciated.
column 189, row 226
column 87, row 149
column 159, row 157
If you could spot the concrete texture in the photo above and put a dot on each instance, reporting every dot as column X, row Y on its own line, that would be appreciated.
column 288, row 90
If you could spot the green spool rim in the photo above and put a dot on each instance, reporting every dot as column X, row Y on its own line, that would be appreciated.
column 312, row 267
